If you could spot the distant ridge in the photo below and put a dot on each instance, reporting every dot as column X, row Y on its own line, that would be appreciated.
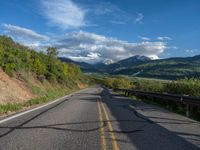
column 142, row 66
column 85, row 67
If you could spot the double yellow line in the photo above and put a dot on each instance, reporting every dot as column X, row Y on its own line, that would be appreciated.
column 103, row 135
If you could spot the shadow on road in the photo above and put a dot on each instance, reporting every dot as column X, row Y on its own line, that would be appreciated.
column 148, row 134
column 67, row 126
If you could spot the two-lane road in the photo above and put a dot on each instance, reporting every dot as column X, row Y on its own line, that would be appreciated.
column 94, row 119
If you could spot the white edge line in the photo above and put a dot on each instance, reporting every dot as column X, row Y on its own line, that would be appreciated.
column 28, row 111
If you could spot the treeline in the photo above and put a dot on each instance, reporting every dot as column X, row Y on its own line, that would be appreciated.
column 16, row 58
column 114, row 82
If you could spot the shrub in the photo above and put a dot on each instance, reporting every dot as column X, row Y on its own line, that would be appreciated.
column 184, row 87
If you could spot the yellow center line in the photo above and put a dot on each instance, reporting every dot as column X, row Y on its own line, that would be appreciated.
column 103, row 137
column 112, row 135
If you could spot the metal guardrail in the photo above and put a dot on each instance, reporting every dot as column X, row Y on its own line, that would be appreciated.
column 189, row 101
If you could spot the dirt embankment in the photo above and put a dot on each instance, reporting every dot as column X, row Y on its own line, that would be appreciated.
column 13, row 90
column 82, row 85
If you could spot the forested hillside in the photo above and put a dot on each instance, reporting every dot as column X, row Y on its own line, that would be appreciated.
column 15, row 58
column 171, row 68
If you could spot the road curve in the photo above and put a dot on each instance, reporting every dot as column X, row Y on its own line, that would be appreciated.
column 98, row 119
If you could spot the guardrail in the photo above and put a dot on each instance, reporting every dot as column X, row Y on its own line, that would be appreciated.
column 188, row 101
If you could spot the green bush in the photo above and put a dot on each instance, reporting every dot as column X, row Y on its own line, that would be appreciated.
column 184, row 87
column 8, row 68
column 149, row 85
column 114, row 82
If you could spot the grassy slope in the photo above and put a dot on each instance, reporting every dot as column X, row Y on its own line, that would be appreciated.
column 44, row 92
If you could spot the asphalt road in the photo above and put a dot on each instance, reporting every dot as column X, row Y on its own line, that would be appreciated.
column 94, row 119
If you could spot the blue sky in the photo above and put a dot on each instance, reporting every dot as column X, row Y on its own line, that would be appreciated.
column 93, row 30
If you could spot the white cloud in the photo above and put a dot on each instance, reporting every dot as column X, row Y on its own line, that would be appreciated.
column 85, row 46
column 162, row 38
column 27, row 33
column 25, row 36
column 144, row 38
column 139, row 18
column 63, row 13
column 90, row 58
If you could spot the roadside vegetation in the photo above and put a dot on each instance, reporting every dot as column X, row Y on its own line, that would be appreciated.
column 46, row 76
column 190, row 87
column 46, row 97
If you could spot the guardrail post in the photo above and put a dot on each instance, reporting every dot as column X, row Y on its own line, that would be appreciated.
column 187, row 110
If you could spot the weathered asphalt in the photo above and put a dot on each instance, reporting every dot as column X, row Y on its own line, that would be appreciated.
column 75, row 123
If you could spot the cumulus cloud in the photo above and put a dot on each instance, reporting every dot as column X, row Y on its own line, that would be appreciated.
column 139, row 18
column 63, row 13
column 91, row 57
column 162, row 38
column 24, row 35
column 86, row 46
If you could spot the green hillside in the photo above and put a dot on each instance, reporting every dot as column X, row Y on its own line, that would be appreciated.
column 172, row 68
column 17, row 58
column 28, row 77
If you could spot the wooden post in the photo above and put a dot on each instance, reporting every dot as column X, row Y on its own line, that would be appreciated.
column 187, row 110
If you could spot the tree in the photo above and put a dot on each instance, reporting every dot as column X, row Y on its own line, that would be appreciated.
column 38, row 67
column 52, row 52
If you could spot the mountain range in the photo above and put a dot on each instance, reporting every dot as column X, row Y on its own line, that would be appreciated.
column 142, row 66
column 85, row 67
